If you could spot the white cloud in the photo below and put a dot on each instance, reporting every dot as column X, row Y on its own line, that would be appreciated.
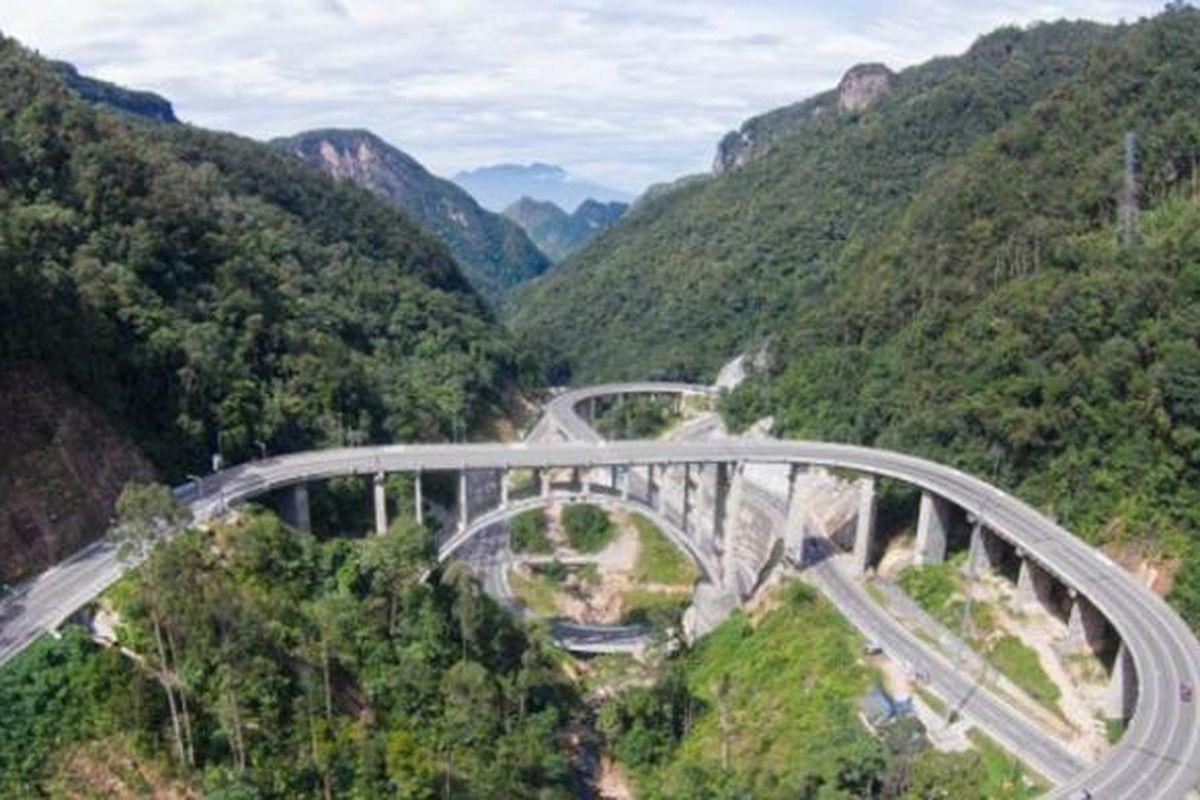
column 623, row 91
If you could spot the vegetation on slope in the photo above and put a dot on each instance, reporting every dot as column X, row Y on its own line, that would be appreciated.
column 687, row 280
column 271, row 664
column 214, row 294
column 588, row 527
column 494, row 252
column 942, row 274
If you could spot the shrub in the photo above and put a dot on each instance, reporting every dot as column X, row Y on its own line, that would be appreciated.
column 588, row 528
column 527, row 533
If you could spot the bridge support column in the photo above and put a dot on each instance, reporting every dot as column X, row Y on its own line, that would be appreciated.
column 464, row 513
column 294, row 508
column 1087, row 629
column 685, row 511
column 504, row 488
column 933, row 528
column 796, row 532
column 981, row 556
column 418, row 499
column 1034, row 586
column 544, row 480
column 864, row 530
column 381, row 516
column 1121, row 696
column 625, row 482
column 650, row 491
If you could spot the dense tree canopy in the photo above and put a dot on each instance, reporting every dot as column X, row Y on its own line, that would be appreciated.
column 216, row 295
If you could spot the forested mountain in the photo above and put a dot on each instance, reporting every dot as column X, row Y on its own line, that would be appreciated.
column 206, row 293
column 557, row 233
column 495, row 254
column 942, row 274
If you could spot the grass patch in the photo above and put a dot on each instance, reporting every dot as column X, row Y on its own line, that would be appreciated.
column 789, row 686
column 1019, row 663
column 527, row 532
column 659, row 560
column 588, row 527
column 1114, row 729
column 536, row 591
column 1004, row 776
column 933, row 587
column 935, row 703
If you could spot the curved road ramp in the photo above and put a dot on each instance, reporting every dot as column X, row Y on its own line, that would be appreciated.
column 1157, row 658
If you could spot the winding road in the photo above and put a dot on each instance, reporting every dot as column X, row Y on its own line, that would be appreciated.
column 1158, row 757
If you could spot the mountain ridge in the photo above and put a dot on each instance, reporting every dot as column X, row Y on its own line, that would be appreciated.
column 559, row 233
column 495, row 253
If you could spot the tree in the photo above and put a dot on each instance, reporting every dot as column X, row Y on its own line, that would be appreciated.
column 146, row 514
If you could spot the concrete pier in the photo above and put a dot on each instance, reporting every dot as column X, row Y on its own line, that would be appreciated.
column 380, row 493
column 293, row 508
column 464, row 501
column 418, row 499
column 1087, row 629
column 983, row 555
column 933, row 529
column 864, row 528
column 1121, row 696
column 1035, row 587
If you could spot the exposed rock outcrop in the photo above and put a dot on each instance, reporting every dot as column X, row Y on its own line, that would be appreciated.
column 860, row 88
column 495, row 254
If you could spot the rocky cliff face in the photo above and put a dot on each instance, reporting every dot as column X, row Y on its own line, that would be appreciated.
column 61, row 470
column 558, row 233
column 863, row 86
column 495, row 254
column 860, row 88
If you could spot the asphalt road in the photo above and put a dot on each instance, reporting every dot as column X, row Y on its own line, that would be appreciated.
column 1156, row 758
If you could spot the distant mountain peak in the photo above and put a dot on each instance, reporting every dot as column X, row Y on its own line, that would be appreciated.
column 498, row 186
column 495, row 254
column 558, row 233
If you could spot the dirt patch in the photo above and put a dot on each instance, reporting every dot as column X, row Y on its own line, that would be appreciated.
column 611, row 783
column 1155, row 570
column 108, row 768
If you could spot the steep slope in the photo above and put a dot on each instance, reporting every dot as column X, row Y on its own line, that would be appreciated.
column 557, row 233
column 193, row 292
column 494, row 253
column 691, row 277
column 945, row 274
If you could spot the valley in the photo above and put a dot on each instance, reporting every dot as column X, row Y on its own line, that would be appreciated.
column 864, row 465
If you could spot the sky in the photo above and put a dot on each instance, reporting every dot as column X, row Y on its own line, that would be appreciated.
column 624, row 92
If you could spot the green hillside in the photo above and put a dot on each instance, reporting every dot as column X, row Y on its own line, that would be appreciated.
column 942, row 274
column 688, row 279
column 208, row 292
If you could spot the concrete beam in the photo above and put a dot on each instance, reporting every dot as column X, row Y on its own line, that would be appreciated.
column 294, row 508
column 1121, row 696
column 380, row 493
column 933, row 529
column 864, row 528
